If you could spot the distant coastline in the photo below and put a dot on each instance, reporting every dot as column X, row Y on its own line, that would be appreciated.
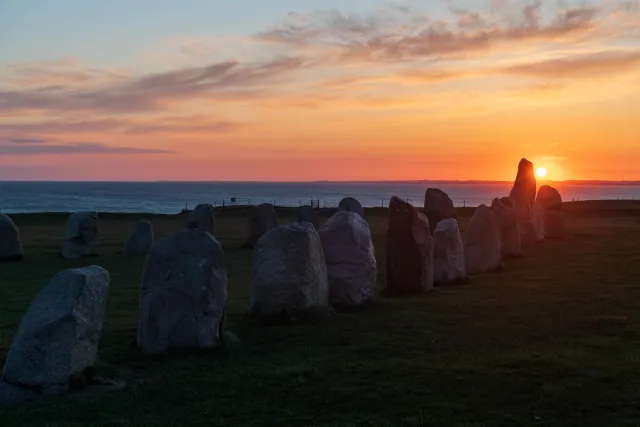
column 423, row 181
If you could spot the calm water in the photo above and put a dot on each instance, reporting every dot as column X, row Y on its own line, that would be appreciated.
column 170, row 197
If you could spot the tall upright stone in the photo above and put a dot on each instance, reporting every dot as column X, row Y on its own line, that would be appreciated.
column 350, row 258
column 183, row 299
column 350, row 204
column 524, row 190
column 448, row 254
column 10, row 245
column 202, row 218
column 80, row 234
column 141, row 240
column 507, row 217
column 409, row 251
column 262, row 218
column 482, row 242
column 289, row 274
column 551, row 201
column 438, row 206
column 308, row 214
column 58, row 336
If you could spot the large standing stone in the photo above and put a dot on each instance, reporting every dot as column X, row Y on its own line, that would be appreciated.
column 448, row 253
column 350, row 204
column 262, row 218
column 10, row 246
column 184, row 293
column 201, row 218
column 289, row 272
column 141, row 240
column 308, row 214
column 551, row 202
column 80, row 234
column 524, row 190
column 58, row 336
column 482, row 244
column 537, row 220
column 507, row 217
column 438, row 206
column 409, row 251
column 350, row 257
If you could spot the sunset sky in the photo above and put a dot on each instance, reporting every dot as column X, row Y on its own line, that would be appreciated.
column 298, row 90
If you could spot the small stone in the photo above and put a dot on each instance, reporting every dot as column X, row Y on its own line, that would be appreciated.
column 438, row 206
column 262, row 218
column 482, row 244
column 80, row 234
column 448, row 254
column 507, row 217
column 308, row 214
column 141, row 240
column 202, row 218
column 350, row 204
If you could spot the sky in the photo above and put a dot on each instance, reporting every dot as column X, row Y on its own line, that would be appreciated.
column 302, row 90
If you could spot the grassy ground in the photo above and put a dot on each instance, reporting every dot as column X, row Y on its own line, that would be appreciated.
column 552, row 341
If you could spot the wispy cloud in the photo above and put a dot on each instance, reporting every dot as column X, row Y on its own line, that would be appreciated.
column 28, row 146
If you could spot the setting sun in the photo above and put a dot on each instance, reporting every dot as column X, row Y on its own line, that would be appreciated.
column 541, row 172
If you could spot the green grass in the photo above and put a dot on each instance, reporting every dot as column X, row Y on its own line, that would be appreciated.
column 552, row 341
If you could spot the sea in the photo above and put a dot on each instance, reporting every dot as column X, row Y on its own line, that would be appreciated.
column 172, row 197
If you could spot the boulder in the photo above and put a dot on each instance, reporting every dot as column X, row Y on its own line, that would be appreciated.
column 507, row 217
column 58, row 336
column 409, row 251
column 308, row 214
column 448, row 253
column 80, row 234
column 482, row 244
column 551, row 201
column 141, row 240
column 537, row 219
column 350, row 204
column 201, row 218
column 183, row 298
column 289, row 272
column 350, row 258
column 549, row 198
column 524, row 190
column 438, row 206
column 262, row 218
column 10, row 246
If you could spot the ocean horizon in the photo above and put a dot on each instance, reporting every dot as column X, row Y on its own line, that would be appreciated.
column 167, row 197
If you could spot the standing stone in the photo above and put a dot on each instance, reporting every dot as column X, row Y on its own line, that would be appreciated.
column 350, row 257
column 350, row 204
column 524, row 190
column 262, row 218
column 438, row 206
column 551, row 202
column 184, row 293
column 448, row 253
column 141, row 240
column 409, row 251
column 289, row 272
column 507, row 218
column 58, row 336
column 201, row 218
column 537, row 219
column 527, row 233
column 482, row 244
column 10, row 246
column 308, row 214
column 80, row 234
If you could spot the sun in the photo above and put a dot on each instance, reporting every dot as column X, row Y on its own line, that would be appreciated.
column 541, row 172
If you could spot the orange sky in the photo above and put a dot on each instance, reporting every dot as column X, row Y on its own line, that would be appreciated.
column 389, row 93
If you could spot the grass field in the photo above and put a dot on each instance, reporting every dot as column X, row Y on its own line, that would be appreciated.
column 554, row 340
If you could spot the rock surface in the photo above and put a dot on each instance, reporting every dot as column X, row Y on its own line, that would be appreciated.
column 58, row 336
column 448, row 253
column 262, row 218
column 350, row 258
column 528, row 235
column 551, row 201
column 482, row 243
column 141, row 240
column 289, row 273
column 549, row 198
column 438, row 206
column 524, row 190
column 409, row 251
column 537, row 219
column 80, row 234
column 202, row 218
column 10, row 246
column 507, row 217
column 350, row 204
column 308, row 214
column 184, row 293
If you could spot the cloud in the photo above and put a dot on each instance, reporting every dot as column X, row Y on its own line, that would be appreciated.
column 25, row 141
column 9, row 147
